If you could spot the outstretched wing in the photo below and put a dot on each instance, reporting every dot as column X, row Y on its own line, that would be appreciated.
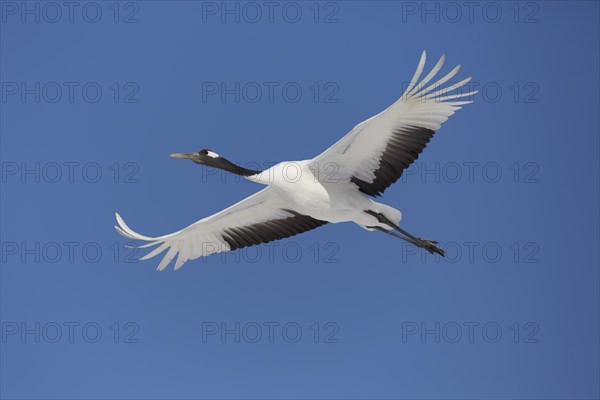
column 260, row 218
column 375, row 153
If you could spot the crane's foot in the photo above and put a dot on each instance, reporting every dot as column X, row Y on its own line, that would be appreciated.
column 430, row 246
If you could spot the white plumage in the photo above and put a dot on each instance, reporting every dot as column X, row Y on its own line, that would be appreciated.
column 333, row 187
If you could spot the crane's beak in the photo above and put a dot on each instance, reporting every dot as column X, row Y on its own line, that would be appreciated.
column 189, row 156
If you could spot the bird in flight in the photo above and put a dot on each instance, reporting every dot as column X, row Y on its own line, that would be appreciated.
column 336, row 186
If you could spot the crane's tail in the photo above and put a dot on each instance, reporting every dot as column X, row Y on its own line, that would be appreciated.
column 389, row 212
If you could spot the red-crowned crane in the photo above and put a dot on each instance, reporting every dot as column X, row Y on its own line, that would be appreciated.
column 336, row 186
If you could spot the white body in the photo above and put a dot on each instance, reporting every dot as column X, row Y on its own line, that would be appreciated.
column 304, row 187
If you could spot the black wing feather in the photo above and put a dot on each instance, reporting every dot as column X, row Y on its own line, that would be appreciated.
column 402, row 149
column 268, row 231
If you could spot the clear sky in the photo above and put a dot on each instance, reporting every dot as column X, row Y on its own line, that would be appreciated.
column 94, row 97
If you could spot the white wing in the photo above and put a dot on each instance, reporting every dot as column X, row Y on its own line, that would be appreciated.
column 260, row 218
column 374, row 154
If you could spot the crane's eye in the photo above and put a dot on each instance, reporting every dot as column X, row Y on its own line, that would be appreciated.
column 203, row 152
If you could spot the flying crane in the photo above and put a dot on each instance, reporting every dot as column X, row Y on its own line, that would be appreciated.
column 367, row 160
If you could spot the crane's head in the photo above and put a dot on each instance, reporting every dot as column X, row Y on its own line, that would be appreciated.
column 211, row 159
column 204, row 157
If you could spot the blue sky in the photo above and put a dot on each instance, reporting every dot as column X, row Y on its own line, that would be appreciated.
column 95, row 97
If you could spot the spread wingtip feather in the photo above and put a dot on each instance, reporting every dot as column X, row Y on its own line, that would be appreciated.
column 129, row 233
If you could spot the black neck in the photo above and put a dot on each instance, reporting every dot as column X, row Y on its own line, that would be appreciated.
column 228, row 166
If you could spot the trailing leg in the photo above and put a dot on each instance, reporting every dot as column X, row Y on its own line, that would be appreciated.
column 429, row 245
